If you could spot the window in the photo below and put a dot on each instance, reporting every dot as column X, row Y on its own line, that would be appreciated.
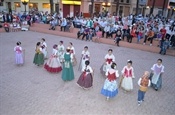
column 1, row 3
column 33, row 6
column 46, row 5
column 127, row 1
column 17, row 4
column 121, row 0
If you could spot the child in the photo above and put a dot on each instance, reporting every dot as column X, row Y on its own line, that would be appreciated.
column 86, row 79
column 144, row 83
column 110, row 88
column 109, row 59
column 53, row 65
column 128, row 75
column 18, row 54
column 39, row 56
column 85, row 56
column 44, row 47
column 156, row 75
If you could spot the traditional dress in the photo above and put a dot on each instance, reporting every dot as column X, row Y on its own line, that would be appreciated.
column 67, row 73
column 44, row 49
column 110, row 88
column 53, row 65
column 86, row 79
column 107, row 65
column 156, row 79
column 72, row 52
column 39, row 56
column 61, row 52
column 85, row 57
column 18, row 55
column 128, row 75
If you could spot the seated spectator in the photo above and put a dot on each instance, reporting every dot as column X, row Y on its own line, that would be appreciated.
column 149, row 37
column 80, row 32
column 6, row 27
column 86, row 32
column 126, row 33
column 52, row 25
column 63, row 24
column 111, row 31
column 106, row 30
column 118, row 36
column 132, row 34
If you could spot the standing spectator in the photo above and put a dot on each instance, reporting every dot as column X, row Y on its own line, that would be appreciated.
column 106, row 30
column 163, row 46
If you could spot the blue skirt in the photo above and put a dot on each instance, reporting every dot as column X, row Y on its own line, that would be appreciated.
column 108, row 93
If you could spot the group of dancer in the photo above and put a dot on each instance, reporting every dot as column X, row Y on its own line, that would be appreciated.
column 61, row 60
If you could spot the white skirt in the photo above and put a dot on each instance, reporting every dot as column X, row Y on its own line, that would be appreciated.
column 127, row 83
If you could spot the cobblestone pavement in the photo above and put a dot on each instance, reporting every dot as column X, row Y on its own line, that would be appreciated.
column 31, row 90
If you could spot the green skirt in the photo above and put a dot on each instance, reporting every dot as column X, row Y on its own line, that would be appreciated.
column 67, row 72
column 39, row 59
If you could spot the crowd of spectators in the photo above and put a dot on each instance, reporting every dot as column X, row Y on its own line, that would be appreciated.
column 148, row 28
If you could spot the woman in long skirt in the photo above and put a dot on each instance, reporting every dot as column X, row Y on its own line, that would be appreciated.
column 109, row 59
column 18, row 54
column 53, row 65
column 86, row 79
column 67, row 73
column 72, row 51
column 85, row 55
column 44, row 47
column 127, row 76
column 39, row 56
column 110, row 88
column 156, row 75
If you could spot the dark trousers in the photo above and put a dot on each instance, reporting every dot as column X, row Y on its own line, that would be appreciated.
column 149, row 39
column 107, row 34
column 84, row 36
column 130, row 38
column 63, row 27
column 111, row 34
column 6, row 29
column 79, row 34
column 117, row 40
column 141, row 95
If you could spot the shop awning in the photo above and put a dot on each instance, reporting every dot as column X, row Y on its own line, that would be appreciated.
column 72, row 2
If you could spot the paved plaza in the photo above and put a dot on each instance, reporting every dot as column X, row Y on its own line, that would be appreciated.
column 31, row 90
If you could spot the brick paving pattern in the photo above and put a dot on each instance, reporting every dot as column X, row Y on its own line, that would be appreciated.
column 32, row 90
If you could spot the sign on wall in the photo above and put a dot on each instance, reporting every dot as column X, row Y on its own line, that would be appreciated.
column 143, row 2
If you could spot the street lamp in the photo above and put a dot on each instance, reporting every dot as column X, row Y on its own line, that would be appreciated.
column 25, row 2
column 106, row 4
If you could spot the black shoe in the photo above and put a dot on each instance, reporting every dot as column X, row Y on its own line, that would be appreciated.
column 156, row 89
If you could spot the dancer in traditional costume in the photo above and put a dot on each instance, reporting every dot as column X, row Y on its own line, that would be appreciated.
column 72, row 51
column 156, row 75
column 18, row 54
column 110, row 88
column 53, row 64
column 127, row 76
column 61, row 51
column 68, row 72
column 39, row 56
column 143, row 83
column 44, row 48
column 85, row 56
column 86, row 78
column 109, row 59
